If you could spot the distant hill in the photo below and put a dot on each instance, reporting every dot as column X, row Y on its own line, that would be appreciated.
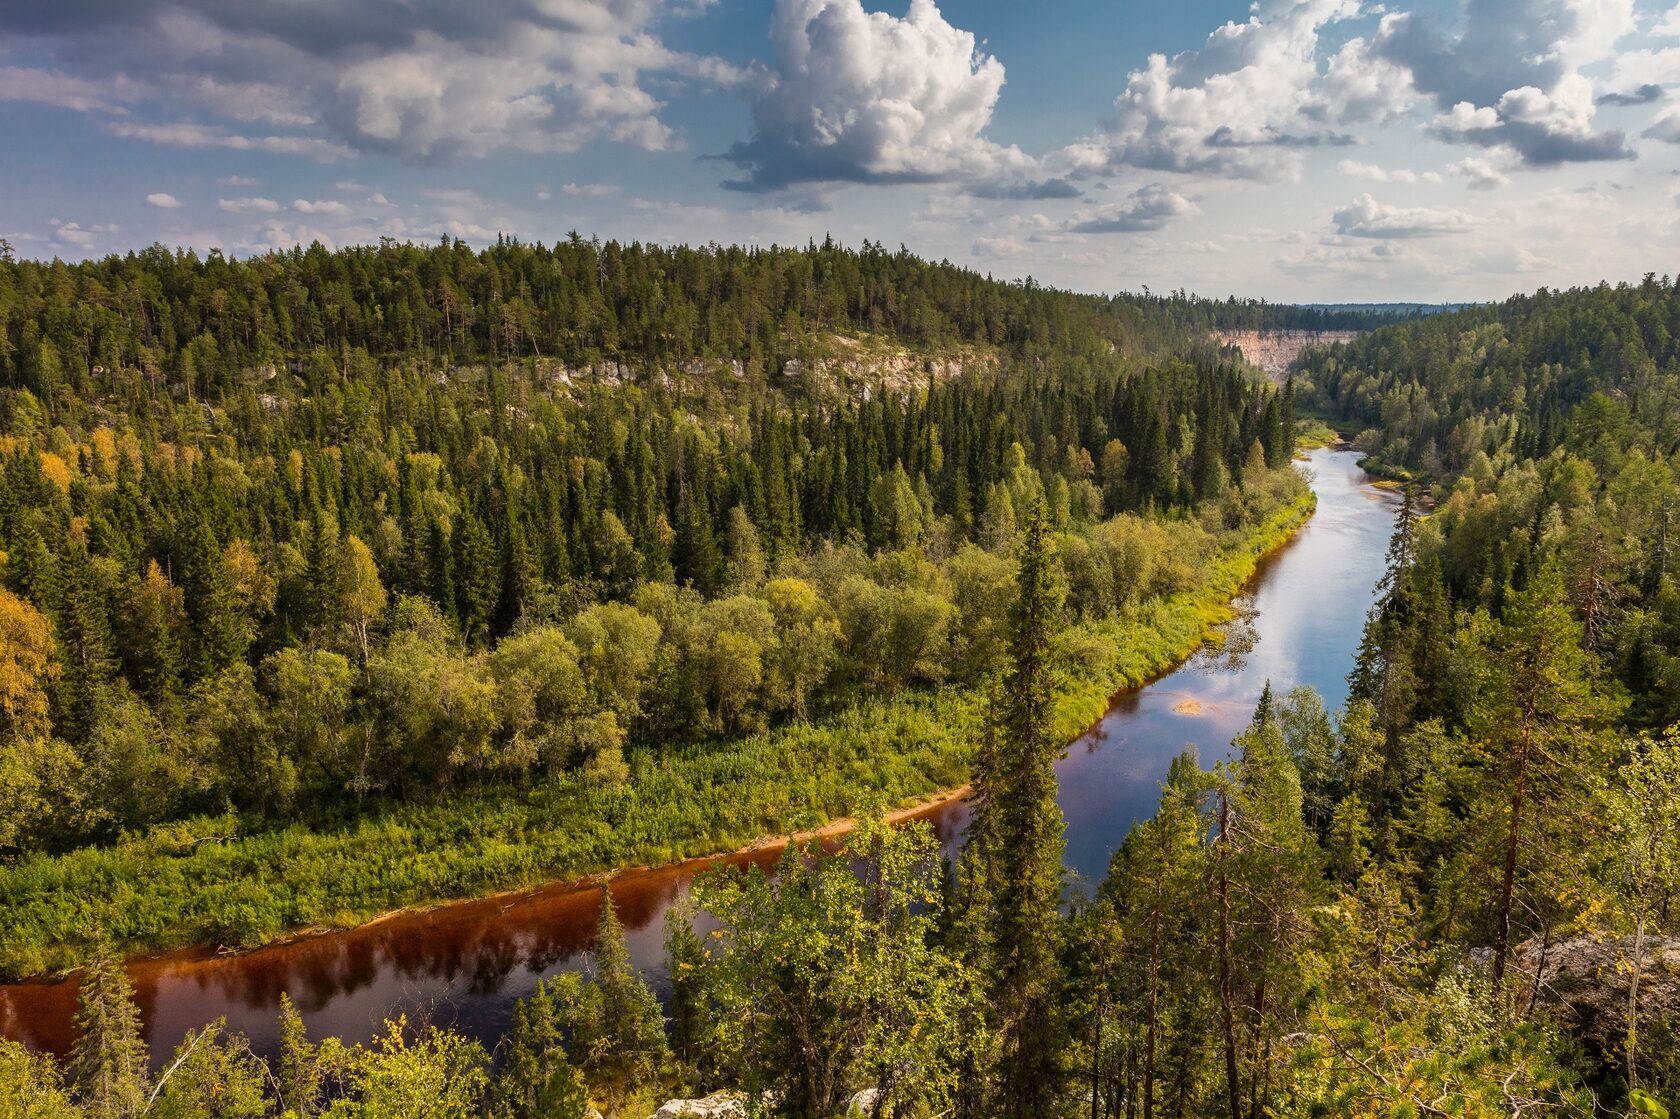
column 1389, row 310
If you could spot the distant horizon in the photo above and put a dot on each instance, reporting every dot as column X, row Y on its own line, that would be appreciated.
column 1145, row 291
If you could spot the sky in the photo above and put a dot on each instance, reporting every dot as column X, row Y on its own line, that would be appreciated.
column 1293, row 150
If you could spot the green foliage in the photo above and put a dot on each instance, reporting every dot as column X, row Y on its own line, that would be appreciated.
column 31, row 1085
column 205, row 879
column 434, row 1075
column 824, row 981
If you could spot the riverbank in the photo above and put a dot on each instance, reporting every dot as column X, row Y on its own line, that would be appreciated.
column 162, row 892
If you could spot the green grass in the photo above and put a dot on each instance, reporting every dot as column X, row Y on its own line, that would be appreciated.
column 163, row 891
column 1312, row 433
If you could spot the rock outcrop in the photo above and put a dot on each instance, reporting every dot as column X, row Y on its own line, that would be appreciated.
column 1586, row 981
column 1276, row 350
column 718, row 1105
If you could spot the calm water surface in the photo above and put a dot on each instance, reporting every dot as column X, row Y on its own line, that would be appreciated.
column 465, row 965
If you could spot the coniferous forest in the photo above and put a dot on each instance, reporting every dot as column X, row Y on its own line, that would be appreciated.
column 336, row 582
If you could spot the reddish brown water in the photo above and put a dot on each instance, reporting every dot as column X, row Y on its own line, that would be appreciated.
column 465, row 965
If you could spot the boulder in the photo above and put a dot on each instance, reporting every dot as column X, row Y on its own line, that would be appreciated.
column 718, row 1105
column 1585, row 982
column 862, row 1105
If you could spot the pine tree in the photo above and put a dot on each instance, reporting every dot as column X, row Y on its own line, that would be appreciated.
column 1536, row 720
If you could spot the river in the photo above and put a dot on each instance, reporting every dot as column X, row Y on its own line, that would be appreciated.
column 465, row 965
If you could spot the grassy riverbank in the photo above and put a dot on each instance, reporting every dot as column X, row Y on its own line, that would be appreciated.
column 165, row 890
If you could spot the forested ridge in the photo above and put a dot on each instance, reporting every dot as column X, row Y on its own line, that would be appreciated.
column 1452, row 898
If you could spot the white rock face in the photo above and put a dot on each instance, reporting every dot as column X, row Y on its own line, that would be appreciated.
column 1276, row 350
column 718, row 1105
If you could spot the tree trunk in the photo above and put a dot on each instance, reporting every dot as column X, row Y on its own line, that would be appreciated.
column 1227, row 1023
column 1633, row 1001
column 1513, row 839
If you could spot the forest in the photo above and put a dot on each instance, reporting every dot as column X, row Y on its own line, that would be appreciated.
column 420, row 578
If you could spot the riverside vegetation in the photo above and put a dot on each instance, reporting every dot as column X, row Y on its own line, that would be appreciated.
column 336, row 583
column 1348, row 915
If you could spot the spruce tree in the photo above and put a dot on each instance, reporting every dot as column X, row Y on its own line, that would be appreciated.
column 536, row 1081
column 1018, row 839
column 108, row 1064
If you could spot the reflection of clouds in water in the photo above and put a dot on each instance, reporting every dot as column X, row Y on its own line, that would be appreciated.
column 1187, row 707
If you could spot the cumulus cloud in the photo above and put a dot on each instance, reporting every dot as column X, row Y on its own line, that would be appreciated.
column 1366, row 217
column 1148, row 208
column 858, row 96
column 77, row 236
column 589, row 190
column 320, row 206
column 163, row 201
column 1511, row 79
column 1378, row 174
column 1361, row 87
column 1483, row 175
column 419, row 80
column 1241, row 105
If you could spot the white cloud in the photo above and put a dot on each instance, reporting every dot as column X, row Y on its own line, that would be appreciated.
column 1366, row 217
column 247, row 205
column 1377, row 174
column 187, row 134
column 1235, row 107
column 589, row 190
column 323, row 206
column 1483, row 174
column 1667, row 25
column 1148, row 208
column 860, row 96
column 163, row 201
column 420, row 81
column 67, row 91
column 72, row 234
column 1511, row 77
column 1360, row 87
column 78, row 236
column 237, row 181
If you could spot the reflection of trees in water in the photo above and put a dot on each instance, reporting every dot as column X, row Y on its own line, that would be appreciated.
column 460, row 965
column 1238, row 637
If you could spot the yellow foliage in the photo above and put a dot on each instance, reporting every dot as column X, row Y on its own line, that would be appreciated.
column 55, row 470
column 104, row 445
column 26, row 666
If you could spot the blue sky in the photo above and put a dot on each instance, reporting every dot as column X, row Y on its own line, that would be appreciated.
column 1322, row 150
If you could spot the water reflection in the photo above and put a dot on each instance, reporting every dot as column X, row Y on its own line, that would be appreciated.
column 465, row 965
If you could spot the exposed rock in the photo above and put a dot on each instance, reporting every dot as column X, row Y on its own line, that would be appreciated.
column 862, row 1105
column 718, row 1105
column 1586, row 980
column 1276, row 350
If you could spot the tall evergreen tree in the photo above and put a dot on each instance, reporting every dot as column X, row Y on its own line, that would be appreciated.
column 108, row 1073
column 1017, row 836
